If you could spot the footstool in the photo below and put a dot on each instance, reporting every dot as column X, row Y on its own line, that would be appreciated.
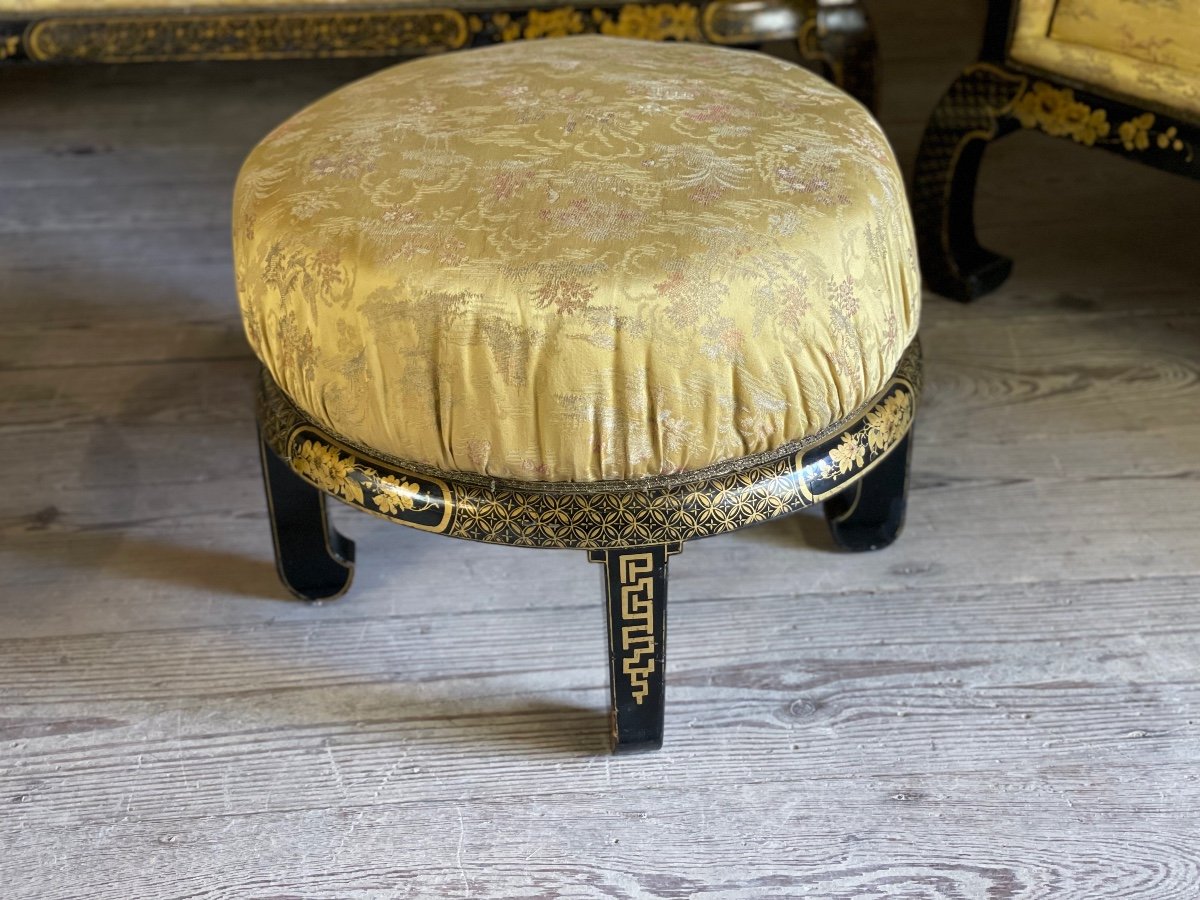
column 590, row 293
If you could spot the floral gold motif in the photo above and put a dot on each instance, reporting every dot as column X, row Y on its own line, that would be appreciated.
column 553, row 22
column 1169, row 139
column 9, row 44
column 591, row 516
column 328, row 469
column 1057, row 112
column 393, row 495
column 655, row 22
column 882, row 428
column 355, row 480
column 1135, row 134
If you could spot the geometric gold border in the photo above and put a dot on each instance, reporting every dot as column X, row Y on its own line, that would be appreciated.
column 604, row 514
column 140, row 38
column 375, row 29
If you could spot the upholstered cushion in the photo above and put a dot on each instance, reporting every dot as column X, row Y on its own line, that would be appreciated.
column 1146, row 50
column 577, row 260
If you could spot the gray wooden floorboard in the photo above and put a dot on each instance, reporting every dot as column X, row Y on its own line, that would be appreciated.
column 1005, row 704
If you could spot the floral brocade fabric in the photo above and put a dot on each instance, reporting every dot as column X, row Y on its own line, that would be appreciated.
column 577, row 260
column 1147, row 50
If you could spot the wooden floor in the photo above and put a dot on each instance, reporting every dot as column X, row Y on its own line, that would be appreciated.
column 1004, row 704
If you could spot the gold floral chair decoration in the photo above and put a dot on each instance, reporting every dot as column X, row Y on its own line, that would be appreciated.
column 1109, row 74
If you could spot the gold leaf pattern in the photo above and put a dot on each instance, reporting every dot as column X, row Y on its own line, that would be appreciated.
column 328, row 469
column 1145, row 49
column 628, row 514
column 1057, row 112
column 655, row 21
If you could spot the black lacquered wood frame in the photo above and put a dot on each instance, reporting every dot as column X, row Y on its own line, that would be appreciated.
column 858, row 468
column 994, row 98
column 596, row 515
column 635, row 586
column 834, row 35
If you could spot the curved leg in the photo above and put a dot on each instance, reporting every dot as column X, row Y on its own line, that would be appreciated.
column 974, row 111
column 314, row 561
column 869, row 514
column 841, row 40
column 635, row 584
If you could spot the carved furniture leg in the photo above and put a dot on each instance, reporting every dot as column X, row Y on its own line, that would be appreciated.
column 635, row 583
column 869, row 514
column 313, row 560
column 841, row 40
column 973, row 112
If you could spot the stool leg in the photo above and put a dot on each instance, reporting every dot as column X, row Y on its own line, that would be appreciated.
column 314, row 561
column 869, row 514
column 635, row 583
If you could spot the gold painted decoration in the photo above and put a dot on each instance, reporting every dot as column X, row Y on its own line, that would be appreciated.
column 164, row 37
column 9, row 45
column 600, row 514
column 122, row 32
column 654, row 22
column 1057, row 112
column 880, row 430
column 635, row 585
column 419, row 501
column 637, row 637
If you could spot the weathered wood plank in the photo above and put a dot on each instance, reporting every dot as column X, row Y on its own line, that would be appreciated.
column 376, row 644
column 794, row 849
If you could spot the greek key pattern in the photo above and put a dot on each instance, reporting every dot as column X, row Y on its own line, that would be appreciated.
column 637, row 621
column 635, row 583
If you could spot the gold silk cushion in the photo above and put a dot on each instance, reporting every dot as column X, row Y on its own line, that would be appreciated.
column 1163, row 32
column 577, row 260
column 1147, row 50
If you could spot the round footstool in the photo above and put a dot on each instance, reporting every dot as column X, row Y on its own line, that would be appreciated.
column 590, row 293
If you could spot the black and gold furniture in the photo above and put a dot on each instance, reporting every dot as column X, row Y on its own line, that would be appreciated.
column 1115, row 74
column 834, row 35
column 593, row 293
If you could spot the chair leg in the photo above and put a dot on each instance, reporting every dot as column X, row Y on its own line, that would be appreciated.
column 869, row 514
column 635, row 584
column 841, row 40
column 973, row 112
column 314, row 561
